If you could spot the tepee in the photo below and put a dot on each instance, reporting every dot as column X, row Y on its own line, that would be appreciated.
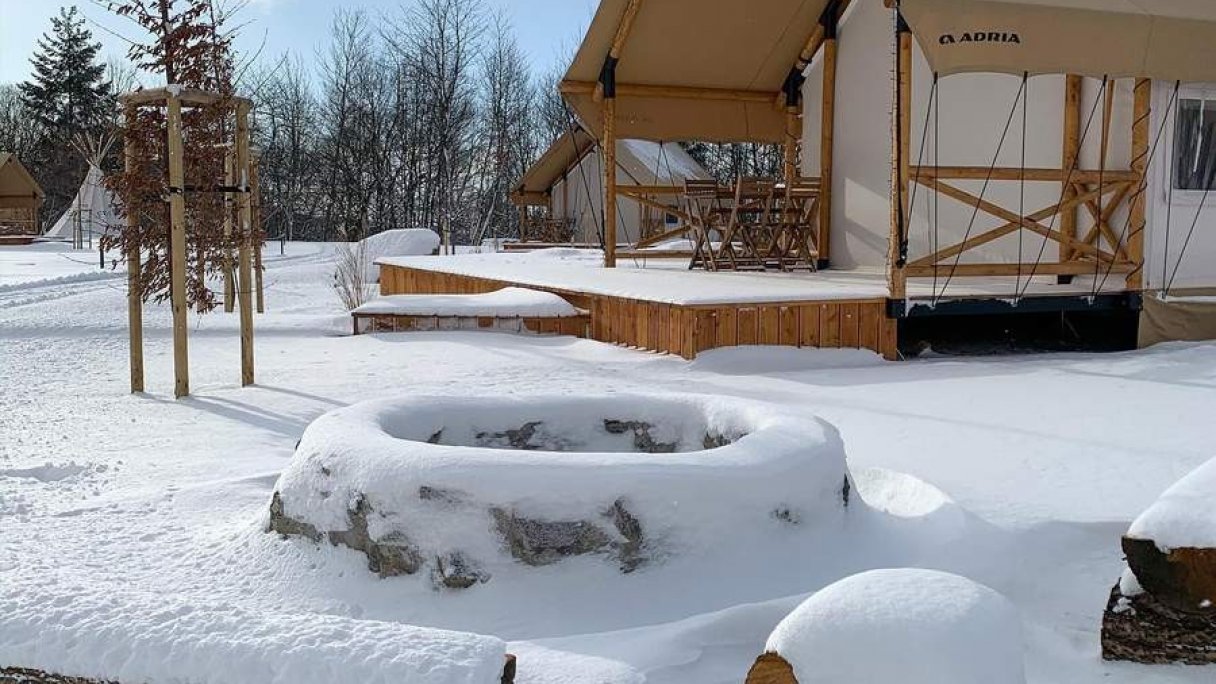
column 93, row 210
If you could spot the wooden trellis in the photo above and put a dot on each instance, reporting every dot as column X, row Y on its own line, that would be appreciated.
column 1101, row 193
column 173, row 99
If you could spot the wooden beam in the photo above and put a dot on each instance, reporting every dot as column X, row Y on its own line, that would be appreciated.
column 1032, row 174
column 631, row 90
column 135, row 316
column 1072, row 268
column 618, row 41
column 901, row 118
column 793, row 139
column 609, row 144
column 188, row 96
column 1000, row 231
column 177, row 250
column 245, row 228
column 645, row 200
column 827, row 134
column 1070, row 157
column 1137, row 218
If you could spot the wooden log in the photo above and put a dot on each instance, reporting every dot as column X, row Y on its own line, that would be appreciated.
column 245, row 237
column 771, row 668
column 901, row 119
column 135, row 315
column 177, row 249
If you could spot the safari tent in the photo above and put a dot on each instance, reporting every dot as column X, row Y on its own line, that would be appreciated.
column 566, row 184
column 20, row 199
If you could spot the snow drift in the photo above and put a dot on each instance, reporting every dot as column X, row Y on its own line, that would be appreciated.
column 397, row 243
column 466, row 486
column 903, row 626
column 165, row 642
column 509, row 302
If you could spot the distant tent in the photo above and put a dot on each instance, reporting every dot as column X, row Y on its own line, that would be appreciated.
column 92, row 212
column 20, row 198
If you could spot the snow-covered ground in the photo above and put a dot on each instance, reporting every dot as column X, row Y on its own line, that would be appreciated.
column 1019, row 473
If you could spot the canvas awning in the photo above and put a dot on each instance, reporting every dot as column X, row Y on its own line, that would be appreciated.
column 1172, row 40
column 709, row 70
column 563, row 154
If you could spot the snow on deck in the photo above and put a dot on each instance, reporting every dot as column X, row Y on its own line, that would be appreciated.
column 509, row 302
column 670, row 281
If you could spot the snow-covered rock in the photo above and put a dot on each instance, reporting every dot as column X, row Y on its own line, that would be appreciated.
column 86, row 634
column 466, row 486
column 903, row 626
column 509, row 302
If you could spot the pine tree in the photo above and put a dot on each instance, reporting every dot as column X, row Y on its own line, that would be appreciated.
column 67, row 95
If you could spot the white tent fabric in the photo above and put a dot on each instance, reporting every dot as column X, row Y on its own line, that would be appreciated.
column 94, row 205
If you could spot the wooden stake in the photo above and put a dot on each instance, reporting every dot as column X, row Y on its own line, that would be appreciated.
column 255, row 199
column 1070, row 158
column 177, row 249
column 610, row 182
column 229, row 286
column 135, row 309
column 244, row 290
column 827, row 132
column 1140, row 161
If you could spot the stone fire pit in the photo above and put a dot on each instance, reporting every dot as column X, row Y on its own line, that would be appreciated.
column 461, row 487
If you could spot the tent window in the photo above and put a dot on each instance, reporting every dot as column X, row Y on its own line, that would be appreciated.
column 1195, row 145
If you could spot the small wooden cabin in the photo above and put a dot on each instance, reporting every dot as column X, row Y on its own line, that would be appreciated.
column 21, row 200
column 567, row 186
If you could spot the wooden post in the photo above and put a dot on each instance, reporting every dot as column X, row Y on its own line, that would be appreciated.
column 610, row 181
column 901, row 142
column 229, row 286
column 255, row 199
column 827, row 132
column 793, row 136
column 1070, row 160
column 1140, row 161
column 135, row 308
column 245, row 229
column 177, row 249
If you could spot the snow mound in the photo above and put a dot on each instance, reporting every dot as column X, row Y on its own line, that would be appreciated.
column 84, row 635
column 509, row 302
column 470, row 486
column 401, row 242
column 1185, row 515
column 754, row 359
column 903, row 626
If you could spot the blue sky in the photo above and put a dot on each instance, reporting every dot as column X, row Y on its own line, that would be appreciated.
column 546, row 29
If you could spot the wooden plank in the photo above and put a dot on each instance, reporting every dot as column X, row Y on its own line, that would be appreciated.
column 631, row 90
column 177, row 250
column 1070, row 268
column 789, row 326
column 827, row 134
column 770, row 325
column 850, row 330
column 1015, row 174
column 749, row 325
column 829, row 326
column 890, row 339
column 728, row 326
column 609, row 151
column 869, row 326
column 706, row 329
column 808, row 326
column 1069, row 157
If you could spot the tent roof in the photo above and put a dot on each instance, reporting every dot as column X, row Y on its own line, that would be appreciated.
column 642, row 161
column 1173, row 40
column 694, row 69
column 564, row 153
column 15, row 181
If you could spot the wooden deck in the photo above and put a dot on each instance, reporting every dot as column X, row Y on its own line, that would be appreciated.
column 688, row 329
